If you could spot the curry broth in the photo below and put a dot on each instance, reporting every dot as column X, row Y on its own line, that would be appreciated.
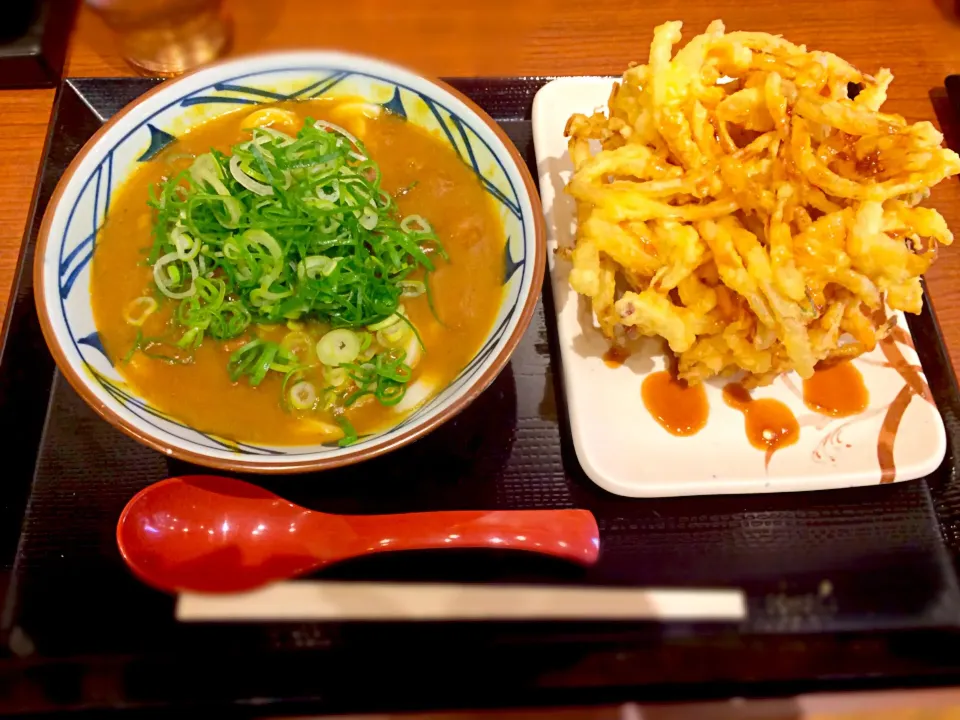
column 466, row 290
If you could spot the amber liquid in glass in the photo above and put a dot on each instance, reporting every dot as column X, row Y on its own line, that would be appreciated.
column 166, row 37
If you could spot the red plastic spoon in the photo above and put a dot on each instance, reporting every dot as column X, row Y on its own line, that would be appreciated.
column 215, row 534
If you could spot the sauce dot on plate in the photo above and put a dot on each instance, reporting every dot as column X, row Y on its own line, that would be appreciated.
column 615, row 356
column 770, row 425
column 836, row 389
column 680, row 409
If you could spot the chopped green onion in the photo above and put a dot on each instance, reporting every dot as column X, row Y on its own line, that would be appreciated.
column 369, row 218
column 128, row 356
column 316, row 265
column 387, row 321
column 338, row 347
column 152, row 348
column 187, row 247
column 330, row 195
column 292, row 230
column 244, row 179
column 394, row 336
column 413, row 328
column 298, row 343
column 365, row 340
column 363, row 286
column 385, row 378
column 303, row 396
column 169, row 281
column 323, row 124
column 335, row 377
column 412, row 288
column 415, row 223
column 433, row 309
column 349, row 433
column 138, row 310
column 191, row 338
column 256, row 359
column 230, row 212
column 206, row 169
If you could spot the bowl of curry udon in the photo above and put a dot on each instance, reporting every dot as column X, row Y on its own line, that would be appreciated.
column 289, row 262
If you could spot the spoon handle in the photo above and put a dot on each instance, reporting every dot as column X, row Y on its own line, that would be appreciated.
column 567, row 534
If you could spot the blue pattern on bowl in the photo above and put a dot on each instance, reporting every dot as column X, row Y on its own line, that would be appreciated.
column 94, row 198
column 159, row 139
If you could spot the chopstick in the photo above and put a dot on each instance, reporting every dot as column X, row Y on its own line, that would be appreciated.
column 329, row 601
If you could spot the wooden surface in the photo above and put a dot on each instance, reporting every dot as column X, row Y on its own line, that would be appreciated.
column 940, row 704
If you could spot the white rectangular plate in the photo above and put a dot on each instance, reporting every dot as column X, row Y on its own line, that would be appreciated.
column 623, row 449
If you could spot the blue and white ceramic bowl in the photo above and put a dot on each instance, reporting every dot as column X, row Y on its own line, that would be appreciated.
column 81, row 203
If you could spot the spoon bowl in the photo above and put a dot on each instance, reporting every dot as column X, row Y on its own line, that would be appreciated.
column 207, row 533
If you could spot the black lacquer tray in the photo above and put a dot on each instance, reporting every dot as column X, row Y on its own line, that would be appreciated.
column 79, row 632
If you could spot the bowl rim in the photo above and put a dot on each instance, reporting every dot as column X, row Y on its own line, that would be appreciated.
column 290, row 464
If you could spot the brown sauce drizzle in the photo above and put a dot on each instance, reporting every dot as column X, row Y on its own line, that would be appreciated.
column 836, row 389
column 888, row 433
column 902, row 336
column 615, row 356
column 770, row 424
column 680, row 409
column 915, row 385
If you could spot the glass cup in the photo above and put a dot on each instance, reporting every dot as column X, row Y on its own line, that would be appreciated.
column 166, row 37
